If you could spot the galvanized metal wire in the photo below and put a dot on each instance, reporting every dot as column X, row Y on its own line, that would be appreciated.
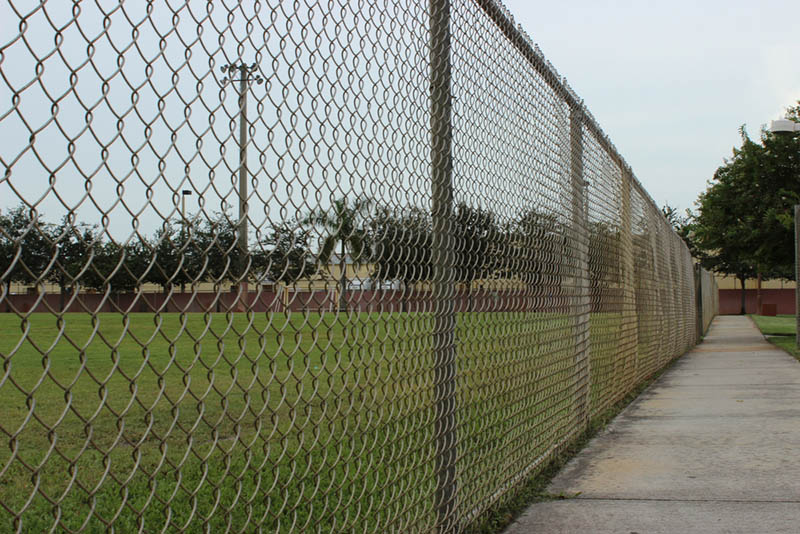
column 333, row 266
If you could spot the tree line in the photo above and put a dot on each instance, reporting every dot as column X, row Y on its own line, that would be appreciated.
column 396, row 243
column 72, row 253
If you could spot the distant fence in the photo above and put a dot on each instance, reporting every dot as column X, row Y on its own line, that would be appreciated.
column 709, row 297
column 428, row 144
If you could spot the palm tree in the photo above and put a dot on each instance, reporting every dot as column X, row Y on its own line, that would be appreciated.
column 345, row 225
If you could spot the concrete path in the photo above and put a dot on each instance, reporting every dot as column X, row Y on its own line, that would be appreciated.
column 712, row 447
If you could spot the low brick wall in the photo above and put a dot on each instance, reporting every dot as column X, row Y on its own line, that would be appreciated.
column 135, row 302
column 363, row 301
column 730, row 300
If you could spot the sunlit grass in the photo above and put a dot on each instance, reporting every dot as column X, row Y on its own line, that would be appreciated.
column 779, row 325
column 301, row 422
column 780, row 330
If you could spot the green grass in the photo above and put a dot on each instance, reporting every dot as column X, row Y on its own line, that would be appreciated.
column 779, row 325
column 301, row 422
column 780, row 331
column 195, row 418
column 786, row 343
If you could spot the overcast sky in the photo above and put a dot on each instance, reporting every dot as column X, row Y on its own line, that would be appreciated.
column 671, row 82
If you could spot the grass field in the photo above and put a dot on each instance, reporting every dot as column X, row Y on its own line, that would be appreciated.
column 780, row 331
column 308, row 422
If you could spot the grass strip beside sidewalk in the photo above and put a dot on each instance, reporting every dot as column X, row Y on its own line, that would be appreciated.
column 779, row 330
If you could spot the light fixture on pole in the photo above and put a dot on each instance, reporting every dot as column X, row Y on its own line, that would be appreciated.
column 784, row 127
column 246, row 74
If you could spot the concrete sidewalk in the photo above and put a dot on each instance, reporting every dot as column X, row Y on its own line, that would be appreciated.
column 713, row 446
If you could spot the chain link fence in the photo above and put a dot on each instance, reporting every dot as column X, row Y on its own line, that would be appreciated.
column 708, row 302
column 335, row 266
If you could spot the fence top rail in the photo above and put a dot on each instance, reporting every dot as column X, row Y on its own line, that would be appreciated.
column 519, row 38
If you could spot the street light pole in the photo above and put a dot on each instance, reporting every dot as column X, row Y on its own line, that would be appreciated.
column 797, row 274
column 247, row 74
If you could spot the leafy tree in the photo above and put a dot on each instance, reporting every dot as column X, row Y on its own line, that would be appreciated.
column 168, row 253
column 74, row 247
column 727, row 229
column 199, row 252
column 24, row 247
column 775, row 177
column 476, row 238
column 121, row 267
column 605, row 267
column 403, row 241
column 673, row 216
column 745, row 222
column 214, row 246
column 344, row 224
column 683, row 225
column 534, row 246
column 284, row 255
column 793, row 112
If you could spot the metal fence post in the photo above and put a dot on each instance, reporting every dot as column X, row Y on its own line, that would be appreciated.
column 797, row 272
column 698, row 295
column 583, row 308
column 443, row 288
column 629, row 335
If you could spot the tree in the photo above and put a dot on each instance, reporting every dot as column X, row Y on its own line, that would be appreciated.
column 776, row 189
column 534, row 245
column 24, row 247
column 683, row 225
column 402, row 244
column 199, row 252
column 793, row 112
column 476, row 238
column 168, row 254
column 673, row 216
column 119, row 267
column 605, row 265
column 212, row 251
column 727, row 229
column 745, row 223
column 345, row 224
column 74, row 246
column 284, row 255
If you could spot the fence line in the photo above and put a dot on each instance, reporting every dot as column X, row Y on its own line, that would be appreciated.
column 709, row 299
column 439, row 270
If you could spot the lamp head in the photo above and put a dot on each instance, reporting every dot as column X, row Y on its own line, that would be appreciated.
column 784, row 126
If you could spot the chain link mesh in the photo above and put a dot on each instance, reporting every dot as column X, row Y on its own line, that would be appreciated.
column 709, row 294
column 337, row 266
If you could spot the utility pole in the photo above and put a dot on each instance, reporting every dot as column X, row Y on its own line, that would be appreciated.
column 246, row 74
column 444, row 341
column 797, row 275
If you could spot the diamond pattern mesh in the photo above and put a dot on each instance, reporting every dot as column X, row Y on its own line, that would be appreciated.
column 337, row 266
